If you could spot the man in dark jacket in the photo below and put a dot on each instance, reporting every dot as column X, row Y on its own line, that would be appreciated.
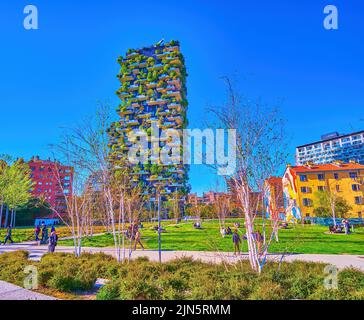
column 8, row 235
column 236, row 241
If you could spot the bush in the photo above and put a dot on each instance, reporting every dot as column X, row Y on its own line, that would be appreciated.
column 351, row 284
column 182, row 279
column 12, row 265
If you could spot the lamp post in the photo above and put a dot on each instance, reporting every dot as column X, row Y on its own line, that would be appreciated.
column 158, row 194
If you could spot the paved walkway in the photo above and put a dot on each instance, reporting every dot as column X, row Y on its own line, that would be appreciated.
column 11, row 292
column 341, row 261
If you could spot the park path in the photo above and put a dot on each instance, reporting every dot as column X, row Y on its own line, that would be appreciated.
column 9, row 291
column 340, row 261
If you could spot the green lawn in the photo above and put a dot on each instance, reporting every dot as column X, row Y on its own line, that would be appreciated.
column 297, row 239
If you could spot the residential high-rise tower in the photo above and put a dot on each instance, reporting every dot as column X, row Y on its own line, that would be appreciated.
column 153, row 94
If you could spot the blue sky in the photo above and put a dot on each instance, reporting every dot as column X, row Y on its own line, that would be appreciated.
column 54, row 76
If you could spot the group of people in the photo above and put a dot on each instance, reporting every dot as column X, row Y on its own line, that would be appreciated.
column 133, row 234
column 237, row 240
column 43, row 230
column 344, row 227
column 225, row 231
column 52, row 240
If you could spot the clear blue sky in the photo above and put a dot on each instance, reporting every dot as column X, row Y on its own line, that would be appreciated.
column 54, row 76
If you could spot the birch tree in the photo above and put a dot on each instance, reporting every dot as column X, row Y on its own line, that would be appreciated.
column 86, row 148
column 261, row 152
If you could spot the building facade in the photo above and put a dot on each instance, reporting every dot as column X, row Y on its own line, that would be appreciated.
column 274, row 199
column 52, row 182
column 301, row 185
column 153, row 98
column 333, row 147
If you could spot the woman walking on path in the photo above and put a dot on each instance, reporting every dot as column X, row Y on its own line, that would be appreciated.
column 52, row 242
column 137, row 240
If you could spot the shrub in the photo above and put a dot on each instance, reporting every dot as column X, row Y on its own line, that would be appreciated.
column 351, row 284
column 12, row 265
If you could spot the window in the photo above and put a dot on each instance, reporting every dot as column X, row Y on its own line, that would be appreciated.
column 67, row 178
column 336, row 176
column 305, row 189
column 355, row 187
column 321, row 176
column 359, row 200
column 353, row 175
column 337, row 188
column 307, row 202
column 303, row 178
column 321, row 188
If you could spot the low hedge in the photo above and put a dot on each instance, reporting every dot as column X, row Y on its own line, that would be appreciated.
column 182, row 279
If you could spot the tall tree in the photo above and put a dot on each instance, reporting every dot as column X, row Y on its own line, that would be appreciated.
column 18, row 186
column 260, row 153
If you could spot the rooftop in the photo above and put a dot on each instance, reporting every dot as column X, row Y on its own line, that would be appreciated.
column 327, row 167
column 330, row 137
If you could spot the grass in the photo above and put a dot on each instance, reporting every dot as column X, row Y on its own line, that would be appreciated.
column 296, row 239
column 22, row 234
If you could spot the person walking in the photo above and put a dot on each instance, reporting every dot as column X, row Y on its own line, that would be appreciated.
column 52, row 242
column 236, row 241
column 138, row 240
column 44, row 233
column 36, row 233
column 8, row 235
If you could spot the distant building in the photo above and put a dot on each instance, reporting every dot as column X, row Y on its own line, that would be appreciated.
column 332, row 147
column 208, row 198
column 302, row 183
column 52, row 181
column 274, row 199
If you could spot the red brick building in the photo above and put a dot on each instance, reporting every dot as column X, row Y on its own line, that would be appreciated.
column 52, row 181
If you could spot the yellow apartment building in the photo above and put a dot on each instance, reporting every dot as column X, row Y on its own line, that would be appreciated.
column 301, row 184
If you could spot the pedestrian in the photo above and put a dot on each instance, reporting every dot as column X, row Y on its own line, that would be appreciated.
column 8, row 235
column 236, row 241
column 138, row 240
column 52, row 242
column 37, row 232
column 44, row 233
column 259, row 240
column 223, row 232
column 347, row 226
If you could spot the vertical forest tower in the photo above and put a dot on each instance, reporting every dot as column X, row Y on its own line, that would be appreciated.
column 153, row 90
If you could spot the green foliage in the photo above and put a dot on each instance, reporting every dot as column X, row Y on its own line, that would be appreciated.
column 183, row 278
column 324, row 199
column 12, row 267
column 15, row 183
column 35, row 208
